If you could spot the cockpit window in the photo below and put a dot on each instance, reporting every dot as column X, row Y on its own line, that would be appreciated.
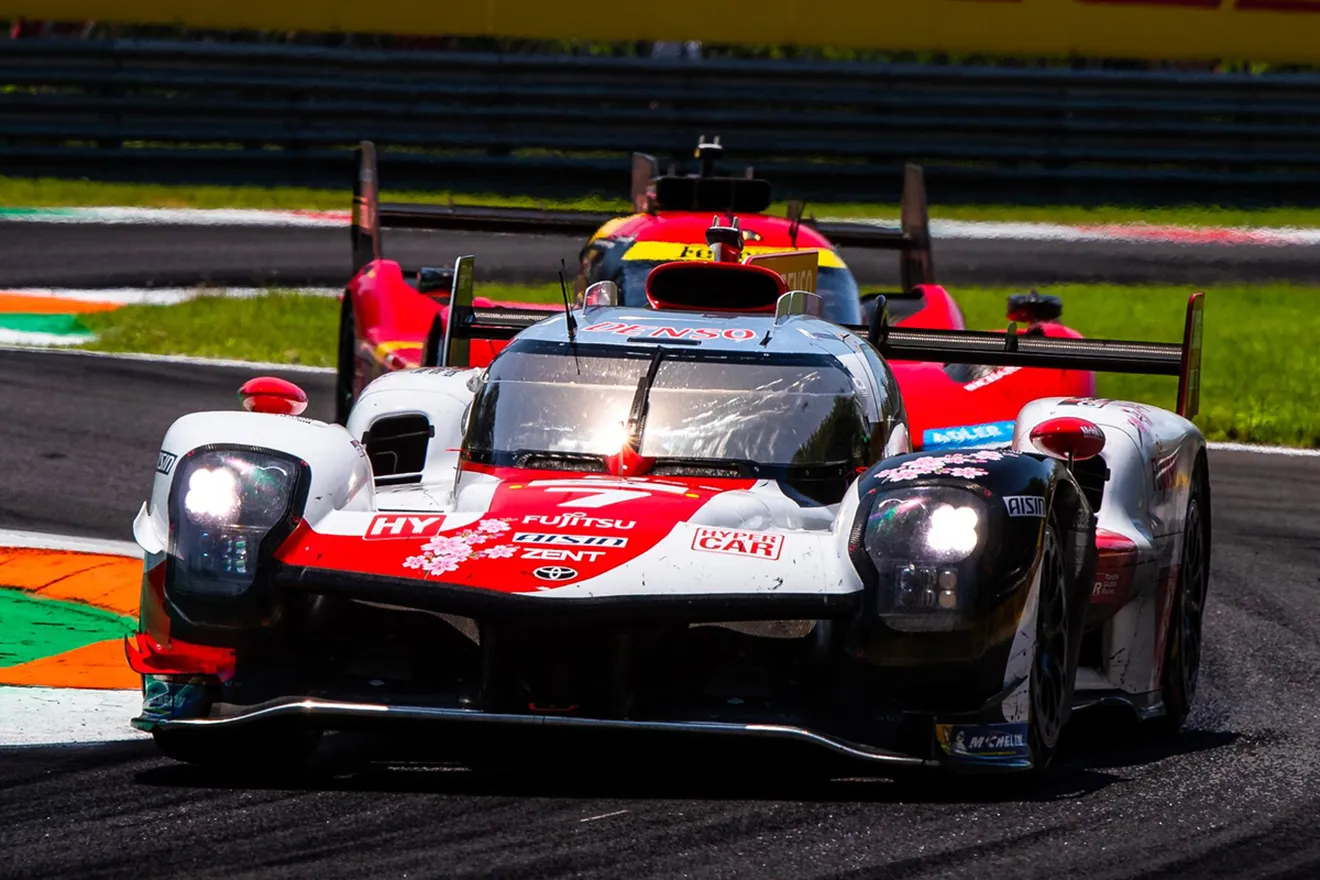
column 713, row 413
column 836, row 286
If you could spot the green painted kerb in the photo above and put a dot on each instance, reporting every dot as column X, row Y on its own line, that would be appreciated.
column 20, row 213
column 38, row 323
column 32, row 628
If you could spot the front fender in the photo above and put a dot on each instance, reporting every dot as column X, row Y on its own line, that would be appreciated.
column 340, row 472
column 1021, row 494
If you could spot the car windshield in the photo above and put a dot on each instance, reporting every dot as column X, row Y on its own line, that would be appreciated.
column 540, row 401
column 836, row 286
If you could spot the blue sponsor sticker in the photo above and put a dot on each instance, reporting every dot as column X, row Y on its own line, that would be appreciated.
column 984, row 740
column 991, row 435
column 163, row 699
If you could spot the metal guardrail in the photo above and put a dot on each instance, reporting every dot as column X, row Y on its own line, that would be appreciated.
column 560, row 125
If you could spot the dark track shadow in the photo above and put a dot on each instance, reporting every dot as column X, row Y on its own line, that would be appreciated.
column 20, row 765
column 1112, row 739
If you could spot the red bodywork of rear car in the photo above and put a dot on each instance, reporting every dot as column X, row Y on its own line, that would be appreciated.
column 934, row 399
column 688, row 229
column 391, row 321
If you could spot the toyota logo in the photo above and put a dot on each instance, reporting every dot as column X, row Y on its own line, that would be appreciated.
column 555, row 573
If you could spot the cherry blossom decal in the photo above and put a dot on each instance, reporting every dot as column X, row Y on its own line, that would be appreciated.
column 958, row 464
column 445, row 553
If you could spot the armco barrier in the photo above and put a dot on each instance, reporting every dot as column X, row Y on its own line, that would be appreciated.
column 1262, row 30
column 559, row 125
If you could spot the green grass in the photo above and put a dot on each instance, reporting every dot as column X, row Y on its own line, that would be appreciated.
column 1259, row 378
column 280, row 326
column 50, row 192
column 56, row 193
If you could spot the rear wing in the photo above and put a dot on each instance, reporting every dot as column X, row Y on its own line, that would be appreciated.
column 1181, row 359
column 370, row 215
column 911, row 239
column 651, row 191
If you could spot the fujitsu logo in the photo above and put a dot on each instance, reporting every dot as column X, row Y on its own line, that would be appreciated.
column 579, row 520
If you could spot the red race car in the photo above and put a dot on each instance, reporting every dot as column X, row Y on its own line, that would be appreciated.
column 393, row 320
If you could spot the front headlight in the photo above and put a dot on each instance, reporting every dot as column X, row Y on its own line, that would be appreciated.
column 925, row 544
column 226, row 502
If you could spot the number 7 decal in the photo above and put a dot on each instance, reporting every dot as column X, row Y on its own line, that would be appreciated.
column 598, row 497
column 595, row 494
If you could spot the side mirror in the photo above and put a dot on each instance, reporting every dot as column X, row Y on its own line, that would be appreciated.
column 269, row 394
column 878, row 322
column 430, row 280
column 871, row 302
column 1069, row 438
column 600, row 294
column 1034, row 308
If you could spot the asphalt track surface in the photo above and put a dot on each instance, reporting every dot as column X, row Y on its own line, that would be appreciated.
column 1236, row 795
column 99, row 256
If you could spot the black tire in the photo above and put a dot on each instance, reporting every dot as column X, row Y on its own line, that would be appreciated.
column 346, row 365
column 264, row 749
column 1184, row 639
column 1053, row 664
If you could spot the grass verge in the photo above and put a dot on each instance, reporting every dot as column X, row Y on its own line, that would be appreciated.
column 1259, row 375
column 280, row 327
column 284, row 327
column 57, row 193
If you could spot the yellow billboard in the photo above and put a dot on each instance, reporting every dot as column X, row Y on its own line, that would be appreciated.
column 1257, row 30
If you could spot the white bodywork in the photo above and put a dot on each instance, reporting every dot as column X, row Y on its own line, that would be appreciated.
column 1149, row 451
column 1151, row 454
column 343, row 500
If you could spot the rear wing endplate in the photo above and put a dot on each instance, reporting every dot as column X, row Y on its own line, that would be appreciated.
column 911, row 239
column 453, row 346
column 1011, row 349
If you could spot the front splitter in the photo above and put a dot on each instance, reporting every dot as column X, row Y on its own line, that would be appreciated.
column 332, row 710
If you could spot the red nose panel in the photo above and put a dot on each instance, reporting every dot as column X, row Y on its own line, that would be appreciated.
column 542, row 530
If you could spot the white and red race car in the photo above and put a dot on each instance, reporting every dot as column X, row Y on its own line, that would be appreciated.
column 701, row 519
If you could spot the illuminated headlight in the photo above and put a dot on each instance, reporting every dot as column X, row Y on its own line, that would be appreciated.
column 951, row 534
column 226, row 502
column 924, row 544
column 212, row 495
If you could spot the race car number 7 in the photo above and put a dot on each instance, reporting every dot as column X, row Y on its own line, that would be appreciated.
column 592, row 495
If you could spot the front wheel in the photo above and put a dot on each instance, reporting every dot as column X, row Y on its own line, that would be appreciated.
column 1051, row 665
column 1183, row 639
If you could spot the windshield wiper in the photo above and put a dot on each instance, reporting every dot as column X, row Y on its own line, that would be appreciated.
column 570, row 323
column 641, row 401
